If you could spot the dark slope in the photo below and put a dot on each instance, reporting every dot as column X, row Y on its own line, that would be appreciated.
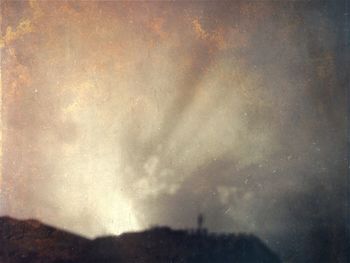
column 31, row 241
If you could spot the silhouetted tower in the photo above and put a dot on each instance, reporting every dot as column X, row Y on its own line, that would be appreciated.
column 200, row 221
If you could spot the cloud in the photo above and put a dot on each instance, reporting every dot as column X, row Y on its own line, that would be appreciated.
column 125, row 115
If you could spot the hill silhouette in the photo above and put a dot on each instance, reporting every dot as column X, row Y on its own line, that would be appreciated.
column 29, row 241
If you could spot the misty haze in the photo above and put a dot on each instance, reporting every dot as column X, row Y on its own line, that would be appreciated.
column 126, row 116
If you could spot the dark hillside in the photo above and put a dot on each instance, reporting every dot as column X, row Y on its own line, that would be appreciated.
column 31, row 241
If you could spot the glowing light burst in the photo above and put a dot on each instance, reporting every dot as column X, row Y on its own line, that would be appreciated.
column 127, row 106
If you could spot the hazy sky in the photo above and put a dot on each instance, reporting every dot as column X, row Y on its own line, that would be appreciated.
column 121, row 115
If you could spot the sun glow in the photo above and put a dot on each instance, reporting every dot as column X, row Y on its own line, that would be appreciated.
column 90, row 167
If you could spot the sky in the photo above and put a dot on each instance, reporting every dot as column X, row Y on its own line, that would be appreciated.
column 118, row 116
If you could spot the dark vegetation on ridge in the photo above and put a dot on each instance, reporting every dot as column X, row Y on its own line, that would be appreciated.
column 29, row 241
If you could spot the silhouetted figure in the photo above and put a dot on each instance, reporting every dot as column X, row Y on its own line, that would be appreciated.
column 200, row 220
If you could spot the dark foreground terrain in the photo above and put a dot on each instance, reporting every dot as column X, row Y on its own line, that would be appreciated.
column 30, row 241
